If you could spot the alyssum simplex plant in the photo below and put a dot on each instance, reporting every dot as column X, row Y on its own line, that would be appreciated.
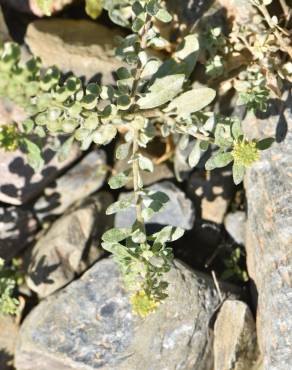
column 151, row 98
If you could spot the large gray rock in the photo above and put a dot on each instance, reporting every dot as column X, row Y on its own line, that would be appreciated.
column 178, row 211
column 17, row 229
column 235, row 339
column 70, row 245
column 19, row 183
column 269, row 233
column 89, row 325
column 83, row 179
column 8, row 334
column 79, row 46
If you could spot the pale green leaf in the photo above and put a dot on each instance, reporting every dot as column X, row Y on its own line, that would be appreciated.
column 120, row 205
column 119, row 180
column 116, row 235
column 192, row 101
column 162, row 91
column 195, row 154
column 238, row 171
column 218, row 161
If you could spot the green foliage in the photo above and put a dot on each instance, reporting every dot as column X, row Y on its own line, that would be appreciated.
column 152, row 98
column 8, row 279
column 233, row 269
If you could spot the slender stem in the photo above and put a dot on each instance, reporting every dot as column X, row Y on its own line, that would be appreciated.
column 136, row 179
column 135, row 162
column 263, row 9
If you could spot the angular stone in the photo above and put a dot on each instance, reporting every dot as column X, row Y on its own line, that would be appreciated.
column 70, row 246
column 19, row 183
column 8, row 335
column 17, row 229
column 269, row 232
column 235, row 225
column 89, row 325
column 83, row 179
column 211, row 194
column 178, row 211
column 235, row 340
column 79, row 46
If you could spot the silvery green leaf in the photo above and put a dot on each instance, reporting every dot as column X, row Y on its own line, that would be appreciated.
column 120, row 205
column 91, row 123
column 163, row 16
column 123, row 151
column 238, row 172
column 236, row 129
column 189, row 45
column 168, row 234
column 145, row 164
column 64, row 151
column 34, row 155
column 117, row 249
column 218, row 161
column 191, row 101
column 161, row 91
column 28, row 125
column 104, row 134
column 116, row 235
column 89, row 101
column 81, row 134
column 69, row 126
column 138, row 236
column 195, row 155
column 123, row 102
column 151, row 68
column 93, row 89
column 119, row 180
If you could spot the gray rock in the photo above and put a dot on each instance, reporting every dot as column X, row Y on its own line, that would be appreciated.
column 70, row 245
column 83, row 179
column 235, row 225
column 269, row 233
column 19, row 183
column 8, row 334
column 178, row 211
column 235, row 339
column 17, row 229
column 89, row 325
column 211, row 194
column 241, row 10
column 79, row 46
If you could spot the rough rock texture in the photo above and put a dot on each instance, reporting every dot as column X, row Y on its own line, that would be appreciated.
column 178, row 211
column 241, row 10
column 19, row 183
column 79, row 46
column 235, row 340
column 83, row 179
column 89, row 325
column 17, row 229
column 70, row 245
column 211, row 194
column 269, row 237
column 8, row 334
column 235, row 225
